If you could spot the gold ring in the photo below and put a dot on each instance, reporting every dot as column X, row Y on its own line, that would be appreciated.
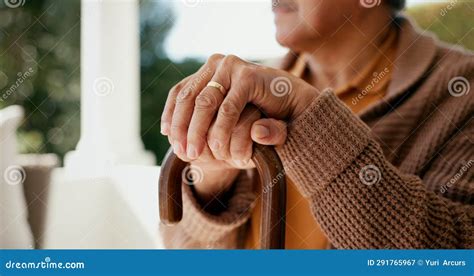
column 217, row 85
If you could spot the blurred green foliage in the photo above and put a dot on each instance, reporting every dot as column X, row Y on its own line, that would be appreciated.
column 452, row 21
column 31, row 38
column 43, row 37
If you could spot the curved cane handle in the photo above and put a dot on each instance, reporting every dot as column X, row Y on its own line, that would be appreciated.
column 272, row 177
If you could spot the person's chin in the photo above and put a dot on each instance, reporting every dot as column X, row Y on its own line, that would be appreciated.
column 287, row 40
column 286, row 30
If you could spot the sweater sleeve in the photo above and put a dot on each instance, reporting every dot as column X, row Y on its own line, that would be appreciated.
column 199, row 229
column 359, row 198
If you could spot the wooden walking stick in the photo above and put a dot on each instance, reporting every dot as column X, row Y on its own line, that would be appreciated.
column 272, row 177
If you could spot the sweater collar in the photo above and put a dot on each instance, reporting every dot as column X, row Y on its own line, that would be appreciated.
column 415, row 53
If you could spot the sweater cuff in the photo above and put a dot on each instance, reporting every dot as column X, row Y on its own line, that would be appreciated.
column 210, row 228
column 322, row 142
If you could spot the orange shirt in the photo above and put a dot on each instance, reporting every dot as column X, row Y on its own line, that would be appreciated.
column 368, row 87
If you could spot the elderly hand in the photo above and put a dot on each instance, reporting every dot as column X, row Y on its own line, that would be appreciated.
column 198, row 115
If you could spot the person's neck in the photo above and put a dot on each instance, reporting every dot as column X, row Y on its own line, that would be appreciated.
column 338, row 60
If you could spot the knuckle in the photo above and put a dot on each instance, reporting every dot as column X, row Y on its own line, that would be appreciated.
column 211, row 135
column 229, row 110
column 196, row 137
column 242, row 151
column 205, row 101
column 237, row 155
column 176, row 88
column 215, row 58
column 224, row 154
column 241, row 130
column 177, row 131
column 230, row 60
column 173, row 93
column 165, row 117
column 184, row 95
column 248, row 73
column 214, row 134
column 238, row 146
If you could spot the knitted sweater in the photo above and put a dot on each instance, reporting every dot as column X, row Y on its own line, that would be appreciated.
column 398, row 175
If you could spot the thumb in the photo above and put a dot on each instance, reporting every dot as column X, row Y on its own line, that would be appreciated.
column 269, row 132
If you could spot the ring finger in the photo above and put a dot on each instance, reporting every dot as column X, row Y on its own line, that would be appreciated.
column 184, row 108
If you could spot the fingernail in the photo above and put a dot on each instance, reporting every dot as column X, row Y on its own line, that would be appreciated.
column 262, row 131
column 165, row 128
column 215, row 145
column 177, row 148
column 192, row 152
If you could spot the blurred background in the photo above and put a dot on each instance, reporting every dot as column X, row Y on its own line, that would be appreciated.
column 40, row 56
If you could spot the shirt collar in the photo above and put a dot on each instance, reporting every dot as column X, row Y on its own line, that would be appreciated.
column 375, row 75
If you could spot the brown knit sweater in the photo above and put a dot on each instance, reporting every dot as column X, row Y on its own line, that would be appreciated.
column 398, row 175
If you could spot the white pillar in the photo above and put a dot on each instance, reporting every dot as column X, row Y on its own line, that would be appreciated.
column 110, row 87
